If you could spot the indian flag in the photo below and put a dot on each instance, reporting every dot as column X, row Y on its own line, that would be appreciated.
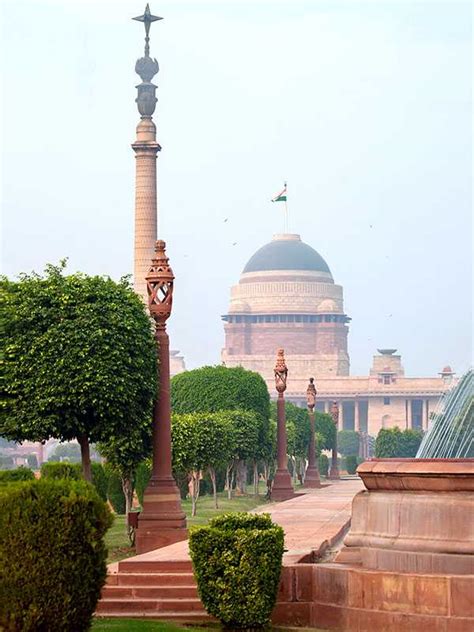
column 280, row 197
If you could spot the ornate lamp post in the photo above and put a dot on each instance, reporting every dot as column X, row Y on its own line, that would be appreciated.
column 334, row 471
column 162, row 521
column 312, row 478
column 282, row 488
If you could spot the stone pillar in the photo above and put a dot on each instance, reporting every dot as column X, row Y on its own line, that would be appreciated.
column 162, row 521
column 356, row 415
column 409, row 415
column 282, row 488
column 312, row 478
column 146, row 149
column 340, row 423
column 326, row 407
column 334, row 470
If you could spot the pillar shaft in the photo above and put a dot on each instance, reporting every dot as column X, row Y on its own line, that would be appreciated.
column 146, row 149
column 312, row 478
column 282, row 488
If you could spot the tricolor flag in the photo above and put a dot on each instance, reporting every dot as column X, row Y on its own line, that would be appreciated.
column 281, row 197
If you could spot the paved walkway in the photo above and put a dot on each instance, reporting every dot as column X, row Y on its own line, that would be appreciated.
column 312, row 521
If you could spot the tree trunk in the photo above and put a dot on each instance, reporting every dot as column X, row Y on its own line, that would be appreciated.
column 212, row 474
column 255, row 477
column 228, row 479
column 195, row 478
column 83, row 441
column 242, row 476
column 127, row 488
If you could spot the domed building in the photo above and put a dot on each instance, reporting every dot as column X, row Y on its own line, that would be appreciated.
column 286, row 297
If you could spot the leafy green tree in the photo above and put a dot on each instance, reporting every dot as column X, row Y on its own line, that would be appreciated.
column 348, row 442
column 387, row 444
column 79, row 359
column 246, row 432
column 201, row 441
column 216, row 388
column 409, row 443
column 68, row 451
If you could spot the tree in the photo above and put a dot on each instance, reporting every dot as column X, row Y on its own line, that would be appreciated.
column 217, row 388
column 214, row 388
column 348, row 442
column 68, row 451
column 246, row 429
column 387, row 444
column 201, row 441
column 80, row 359
column 393, row 443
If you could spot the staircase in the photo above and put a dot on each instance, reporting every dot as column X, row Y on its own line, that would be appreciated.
column 152, row 589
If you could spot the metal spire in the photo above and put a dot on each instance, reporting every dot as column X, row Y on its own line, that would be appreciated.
column 147, row 18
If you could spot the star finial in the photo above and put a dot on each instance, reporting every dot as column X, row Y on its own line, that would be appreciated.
column 147, row 18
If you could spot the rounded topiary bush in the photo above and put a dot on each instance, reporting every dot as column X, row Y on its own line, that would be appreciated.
column 52, row 555
column 237, row 562
column 19, row 474
column 351, row 463
column 56, row 470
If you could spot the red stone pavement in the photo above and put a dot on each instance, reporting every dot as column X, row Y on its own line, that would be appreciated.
column 312, row 522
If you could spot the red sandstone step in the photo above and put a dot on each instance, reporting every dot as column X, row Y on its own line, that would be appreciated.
column 149, row 592
column 173, row 606
column 153, row 579
column 181, row 617
column 155, row 566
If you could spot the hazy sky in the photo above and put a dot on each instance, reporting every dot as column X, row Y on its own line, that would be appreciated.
column 364, row 107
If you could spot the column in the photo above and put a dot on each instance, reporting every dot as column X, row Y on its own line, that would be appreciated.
column 340, row 424
column 146, row 149
column 356, row 415
column 409, row 416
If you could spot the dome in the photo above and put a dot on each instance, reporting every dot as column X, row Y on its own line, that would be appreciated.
column 286, row 252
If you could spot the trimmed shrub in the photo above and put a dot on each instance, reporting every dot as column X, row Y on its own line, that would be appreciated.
column 351, row 463
column 99, row 480
column 237, row 563
column 142, row 476
column 115, row 493
column 52, row 555
column 55, row 470
column 323, row 465
column 19, row 474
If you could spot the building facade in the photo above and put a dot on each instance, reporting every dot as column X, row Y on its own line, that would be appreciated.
column 286, row 297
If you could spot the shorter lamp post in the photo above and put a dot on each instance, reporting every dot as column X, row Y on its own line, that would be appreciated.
column 312, row 478
column 282, row 488
column 334, row 471
column 162, row 520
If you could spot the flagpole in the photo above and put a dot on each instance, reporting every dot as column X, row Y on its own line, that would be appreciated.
column 287, row 228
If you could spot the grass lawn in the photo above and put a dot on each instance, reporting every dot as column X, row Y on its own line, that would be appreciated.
column 136, row 625
column 117, row 540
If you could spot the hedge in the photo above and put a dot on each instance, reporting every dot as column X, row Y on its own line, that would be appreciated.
column 237, row 562
column 99, row 479
column 19, row 474
column 52, row 555
column 56, row 470
column 351, row 463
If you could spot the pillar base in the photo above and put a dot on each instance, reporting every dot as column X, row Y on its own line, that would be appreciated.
column 334, row 473
column 162, row 521
column 282, row 488
column 312, row 479
column 154, row 536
